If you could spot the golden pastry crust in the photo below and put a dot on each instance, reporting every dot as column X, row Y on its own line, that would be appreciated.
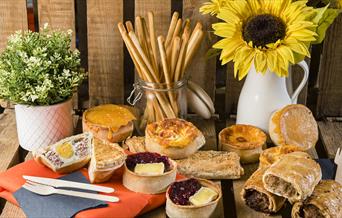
column 106, row 158
column 109, row 122
column 294, row 176
column 211, row 165
column 294, row 125
column 175, row 133
column 326, row 199
column 135, row 144
column 257, row 197
column 271, row 155
column 242, row 137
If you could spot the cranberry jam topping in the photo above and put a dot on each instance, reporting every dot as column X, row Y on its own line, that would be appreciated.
column 54, row 158
column 147, row 157
column 180, row 192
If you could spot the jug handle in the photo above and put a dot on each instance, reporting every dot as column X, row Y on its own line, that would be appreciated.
column 305, row 68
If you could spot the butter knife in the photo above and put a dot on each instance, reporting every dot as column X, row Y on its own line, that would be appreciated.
column 57, row 183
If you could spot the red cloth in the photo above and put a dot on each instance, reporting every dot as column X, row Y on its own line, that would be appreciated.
column 131, row 204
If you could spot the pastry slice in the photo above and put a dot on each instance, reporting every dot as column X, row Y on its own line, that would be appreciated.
column 294, row 176
column 106, row 158
column 257, row 197
column 211, row 165
column 67, row 155
column 135, row 144
column 294, row 125
column 325, row 201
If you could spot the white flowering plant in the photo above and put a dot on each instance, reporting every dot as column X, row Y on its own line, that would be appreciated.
column 39, row 68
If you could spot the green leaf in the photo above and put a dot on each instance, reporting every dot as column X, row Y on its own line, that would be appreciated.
column 324, row 18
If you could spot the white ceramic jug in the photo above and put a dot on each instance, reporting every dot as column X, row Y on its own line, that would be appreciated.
column 262, row 94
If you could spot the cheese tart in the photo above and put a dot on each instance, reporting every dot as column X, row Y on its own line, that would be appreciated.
column 273, row 154
column 294, row 125
column 149, row 173
column 193, row 198
column 67, row 155
column 175, row 138
column 325, row 201
column 109, row 122
column 106, row 158
column 246, row 140
column 294, row 176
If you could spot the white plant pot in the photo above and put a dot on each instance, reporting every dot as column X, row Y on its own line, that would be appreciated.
column 43, row 125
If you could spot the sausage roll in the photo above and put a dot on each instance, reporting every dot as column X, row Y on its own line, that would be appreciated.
column 325, row 201
column 294, row 176
column 257, row 197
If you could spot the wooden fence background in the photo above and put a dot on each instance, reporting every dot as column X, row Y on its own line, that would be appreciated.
column 111, row 73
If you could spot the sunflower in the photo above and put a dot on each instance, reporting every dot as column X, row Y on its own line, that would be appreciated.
column 213, row 7
column 269, row 33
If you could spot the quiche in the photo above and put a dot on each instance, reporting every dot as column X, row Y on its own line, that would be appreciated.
column 109, row 122
column 175, row 138
column 246, row 140
column 294, row 125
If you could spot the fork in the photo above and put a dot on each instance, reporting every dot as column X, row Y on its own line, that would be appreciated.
column 41, row 189
column 338, row 162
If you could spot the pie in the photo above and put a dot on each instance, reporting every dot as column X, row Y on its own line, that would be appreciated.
column 106, row 158
column 135, row 144
column 271, row 155
column 294, row 176
column 109, row 122
column 149, row 173
column 211, row 165
column 67, row 155
column 246, row 140
column 294, row 125
column 175, row 138
column 192, row 198
column 325, row 201
column 255, row 196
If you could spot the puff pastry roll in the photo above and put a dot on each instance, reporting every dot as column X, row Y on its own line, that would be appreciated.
column 257, row 197
column 325, row 201
column 294, row 176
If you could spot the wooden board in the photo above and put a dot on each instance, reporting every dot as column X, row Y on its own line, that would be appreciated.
column 105, row 51
column 12, row 211
column 9, row 145
column 202, row 69
column 233, row 89
column 331, row 136
column 161, row 11
column 13, row 17
column 330, row 73
column 59, row 14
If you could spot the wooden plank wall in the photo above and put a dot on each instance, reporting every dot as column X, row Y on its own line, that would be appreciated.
column 13, row 16
column 330, row 73
column 105, row 49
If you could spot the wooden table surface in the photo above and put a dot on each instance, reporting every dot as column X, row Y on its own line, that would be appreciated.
column 231, row 205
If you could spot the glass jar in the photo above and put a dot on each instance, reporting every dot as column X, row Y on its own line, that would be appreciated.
column 157, row 101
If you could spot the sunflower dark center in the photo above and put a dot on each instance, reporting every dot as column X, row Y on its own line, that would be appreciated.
column 263, row 29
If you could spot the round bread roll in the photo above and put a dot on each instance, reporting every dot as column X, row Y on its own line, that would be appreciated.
column 294, row 125
column 112, row 123
column 175, row 138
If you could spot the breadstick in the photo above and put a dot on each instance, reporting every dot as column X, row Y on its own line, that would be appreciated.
column 171, row 28
column 153, row 40
column 174, row 56
column 181, row 58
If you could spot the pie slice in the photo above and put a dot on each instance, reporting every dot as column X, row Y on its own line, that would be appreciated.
column 106, row 158
column 67, row 155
